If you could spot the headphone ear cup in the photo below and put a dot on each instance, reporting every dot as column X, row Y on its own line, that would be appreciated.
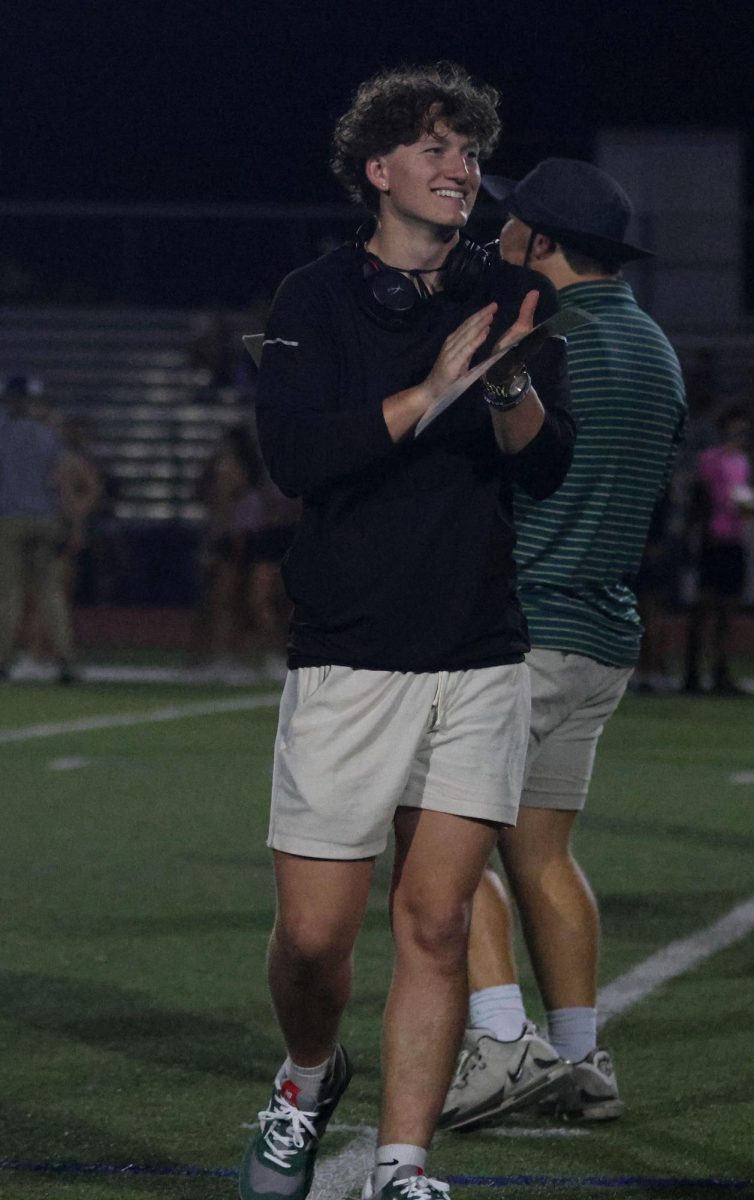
column 387, row 296
column 394, row 291
column 468, row 265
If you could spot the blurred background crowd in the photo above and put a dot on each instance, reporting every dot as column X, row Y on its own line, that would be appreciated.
column 137, row 519
column 160, row 176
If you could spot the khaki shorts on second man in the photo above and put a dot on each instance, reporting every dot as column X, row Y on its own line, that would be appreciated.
column 354, row 745
column 572, row 697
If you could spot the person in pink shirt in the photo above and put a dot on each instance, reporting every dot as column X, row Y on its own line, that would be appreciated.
column 722, row 501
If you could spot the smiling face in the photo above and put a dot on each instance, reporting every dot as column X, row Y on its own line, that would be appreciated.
column 433, row 181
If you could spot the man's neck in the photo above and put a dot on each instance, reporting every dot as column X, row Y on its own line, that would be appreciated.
column 564, row 278
column 410, row 246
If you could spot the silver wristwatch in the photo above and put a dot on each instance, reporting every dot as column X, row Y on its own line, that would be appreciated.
column 504, row 396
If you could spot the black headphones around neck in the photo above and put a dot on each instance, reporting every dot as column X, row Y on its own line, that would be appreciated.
column 391, row 297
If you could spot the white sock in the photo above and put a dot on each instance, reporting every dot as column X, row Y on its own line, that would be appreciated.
column 393, row 1156
column 572, row 1031
column 499, row 1009
column 306, row 1082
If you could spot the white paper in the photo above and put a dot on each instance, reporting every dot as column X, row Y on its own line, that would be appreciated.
column 459, row 387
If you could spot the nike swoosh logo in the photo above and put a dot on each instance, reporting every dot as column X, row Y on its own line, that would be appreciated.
column 393, row 1162
column 514, row 1076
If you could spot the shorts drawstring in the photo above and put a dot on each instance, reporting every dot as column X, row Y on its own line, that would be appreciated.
column 435, row 709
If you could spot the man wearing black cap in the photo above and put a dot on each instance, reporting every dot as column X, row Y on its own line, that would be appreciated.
column 577, row 553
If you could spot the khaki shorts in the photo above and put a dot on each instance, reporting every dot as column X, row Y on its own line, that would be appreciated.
column 571, row 699
column 354, row 745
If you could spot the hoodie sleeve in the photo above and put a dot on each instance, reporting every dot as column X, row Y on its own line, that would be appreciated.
column 310, row 433
column 540, row 468
column 542, row 465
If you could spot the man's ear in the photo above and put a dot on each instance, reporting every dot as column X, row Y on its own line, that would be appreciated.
column 542, row 247
column 376, row 171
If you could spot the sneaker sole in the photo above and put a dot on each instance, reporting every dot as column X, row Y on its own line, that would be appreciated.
column 523, row 1098
column 606, row 1110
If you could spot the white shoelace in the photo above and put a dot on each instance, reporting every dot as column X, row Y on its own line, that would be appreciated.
column 421, row 1187
column 283, row 1143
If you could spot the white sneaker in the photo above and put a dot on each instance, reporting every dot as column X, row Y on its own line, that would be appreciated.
column 494, row 1078
column 590, row 1092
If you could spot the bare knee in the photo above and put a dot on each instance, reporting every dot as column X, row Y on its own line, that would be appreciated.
column 438, row 929
column 309, row 944
column 539, row 844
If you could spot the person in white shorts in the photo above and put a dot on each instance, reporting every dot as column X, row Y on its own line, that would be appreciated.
column 406, row 706
column 578, row 553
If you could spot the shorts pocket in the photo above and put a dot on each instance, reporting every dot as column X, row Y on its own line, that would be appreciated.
column 310, row 681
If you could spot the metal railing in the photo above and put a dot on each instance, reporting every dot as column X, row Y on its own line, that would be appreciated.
column 233, row 256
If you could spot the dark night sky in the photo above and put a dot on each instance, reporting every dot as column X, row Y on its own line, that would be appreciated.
column 232, row 100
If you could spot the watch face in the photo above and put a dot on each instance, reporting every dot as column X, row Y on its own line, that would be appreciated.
column 517, row 385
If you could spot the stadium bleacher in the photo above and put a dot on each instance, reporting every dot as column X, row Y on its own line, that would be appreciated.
column 156, row 418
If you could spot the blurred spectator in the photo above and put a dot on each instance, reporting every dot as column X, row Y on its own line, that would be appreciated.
column 721, row 499
column 215, row 348
column 249, row 528
column 654, row 594
column 229, row 479
column 81, row 489
column 265, row 543
column 32, row 528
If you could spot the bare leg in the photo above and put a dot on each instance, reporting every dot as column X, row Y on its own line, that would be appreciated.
column 321, row 906
column 558, row 910
column 268, row 606
column 439, row 860
column 52, row 605
column 492, row 961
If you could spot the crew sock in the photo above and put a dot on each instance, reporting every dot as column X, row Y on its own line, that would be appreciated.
column 572, row 1031
column 306, row 1082
column 499, row 1009
column 391, row 1157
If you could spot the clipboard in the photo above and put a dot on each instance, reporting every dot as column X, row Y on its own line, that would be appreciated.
column 522, row 350
column 253, row 343
column 500, row 366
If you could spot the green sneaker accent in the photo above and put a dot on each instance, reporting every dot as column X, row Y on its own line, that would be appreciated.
column 279, row 1160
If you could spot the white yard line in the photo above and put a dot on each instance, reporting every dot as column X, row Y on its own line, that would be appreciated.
column 177, row 712
column 344, row 1173
column 673, row 960
column 742, row 777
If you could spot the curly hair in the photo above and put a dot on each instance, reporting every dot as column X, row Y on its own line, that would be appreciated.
column 396, row 107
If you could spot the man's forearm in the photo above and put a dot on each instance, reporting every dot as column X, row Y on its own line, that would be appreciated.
column 516, row 428
column 404, row 409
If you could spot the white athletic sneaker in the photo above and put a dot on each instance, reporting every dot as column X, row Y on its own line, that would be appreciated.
column 494, row 1078
column 590, row 1092
column 408, row 1183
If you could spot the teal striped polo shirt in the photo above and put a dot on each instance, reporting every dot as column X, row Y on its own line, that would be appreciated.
column 579, row 551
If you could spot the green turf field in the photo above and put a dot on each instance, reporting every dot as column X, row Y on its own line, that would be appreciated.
column 134, row 1022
